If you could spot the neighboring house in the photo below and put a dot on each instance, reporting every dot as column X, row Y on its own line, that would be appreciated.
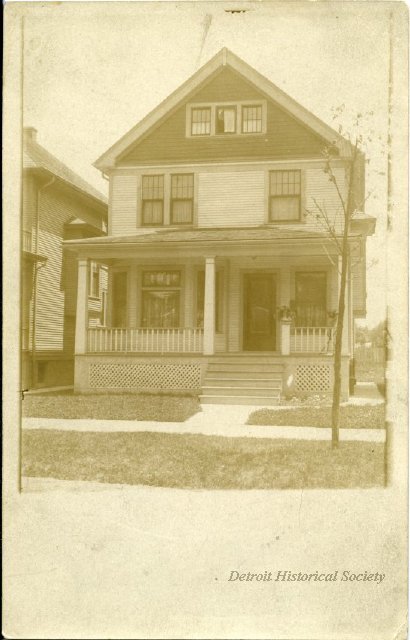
column 57, row 205
column 207, row 240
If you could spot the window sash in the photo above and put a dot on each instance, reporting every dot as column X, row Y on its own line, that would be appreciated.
column 252, row 119
column 285, row 183
column 201, row 122
column 182, row 211
column 284, row 208
column 152, row 212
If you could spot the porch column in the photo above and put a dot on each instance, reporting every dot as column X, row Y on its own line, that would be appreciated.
column 285, row 301
column 81, row 324
column 209, row 307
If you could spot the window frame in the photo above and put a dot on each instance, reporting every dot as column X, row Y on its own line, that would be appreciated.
column 250, row 106
column 200, row 135
column 144, row 200
column 270, row 197
column 310, row 272
column 94, row 268
column 213, row 106
column 172, row 199
column 179, row 288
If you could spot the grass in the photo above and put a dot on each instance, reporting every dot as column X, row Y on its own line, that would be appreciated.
column 201, row 462
column 351, row 417
column 163, row 408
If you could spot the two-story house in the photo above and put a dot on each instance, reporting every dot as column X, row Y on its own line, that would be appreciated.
column 57, row 205
column 218, row 282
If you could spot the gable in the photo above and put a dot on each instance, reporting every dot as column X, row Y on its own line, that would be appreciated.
column 285, row 137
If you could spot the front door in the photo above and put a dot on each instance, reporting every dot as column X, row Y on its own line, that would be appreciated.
column 259, row 330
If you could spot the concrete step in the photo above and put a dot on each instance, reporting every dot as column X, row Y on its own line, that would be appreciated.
column 245, row 381
column 244, row 367
column 245, row 359
column 258, row 401
column 240, row 391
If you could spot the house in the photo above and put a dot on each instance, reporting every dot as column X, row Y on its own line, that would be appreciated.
column 218, row 283
column 57, row 205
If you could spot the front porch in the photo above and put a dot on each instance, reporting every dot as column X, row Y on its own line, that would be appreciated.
column 173, row 314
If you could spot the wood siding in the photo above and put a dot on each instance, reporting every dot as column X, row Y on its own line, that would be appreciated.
column 285, row 137
column 231, row 198
column 56, row 281
column 235, row 199
column 123, row 210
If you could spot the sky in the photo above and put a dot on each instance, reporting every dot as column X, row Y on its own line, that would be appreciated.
column 93, row 70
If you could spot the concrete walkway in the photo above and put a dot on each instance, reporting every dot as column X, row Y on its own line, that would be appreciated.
column 226, row 421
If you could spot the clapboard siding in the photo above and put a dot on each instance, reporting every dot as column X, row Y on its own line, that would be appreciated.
column 57, row 279
column 319, row 188
column 231, row 199
column 285, row 136
column 123, row 213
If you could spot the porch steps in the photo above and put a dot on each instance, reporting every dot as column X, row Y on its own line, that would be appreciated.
column 243, row 379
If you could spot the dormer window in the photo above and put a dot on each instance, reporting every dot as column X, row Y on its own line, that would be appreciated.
column 226, row 119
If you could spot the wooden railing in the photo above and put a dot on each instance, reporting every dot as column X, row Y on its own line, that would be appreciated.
column 103, row 340
column 311, row 339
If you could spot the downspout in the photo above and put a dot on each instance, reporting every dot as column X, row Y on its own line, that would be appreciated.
column 35, row 280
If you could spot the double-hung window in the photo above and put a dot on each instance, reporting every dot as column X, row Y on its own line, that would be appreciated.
column 152, row 200
column 284, row 196
column 252, row 119
column 182, row 198
column 201, row 122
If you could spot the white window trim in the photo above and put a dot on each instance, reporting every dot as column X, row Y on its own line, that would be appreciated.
column 167, row 223
column 232, row 103
column 97, row 267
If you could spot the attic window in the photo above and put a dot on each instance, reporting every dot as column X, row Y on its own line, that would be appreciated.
column 226, row 119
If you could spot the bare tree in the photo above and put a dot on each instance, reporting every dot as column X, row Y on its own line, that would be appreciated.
column 351, row 199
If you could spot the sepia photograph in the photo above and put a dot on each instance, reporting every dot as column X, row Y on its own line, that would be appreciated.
column 206, row 217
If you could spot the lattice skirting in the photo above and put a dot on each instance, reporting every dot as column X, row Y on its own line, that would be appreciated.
column 145, row 377
column 313, row 377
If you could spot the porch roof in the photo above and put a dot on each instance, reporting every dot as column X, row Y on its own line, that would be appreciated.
column 193, row 236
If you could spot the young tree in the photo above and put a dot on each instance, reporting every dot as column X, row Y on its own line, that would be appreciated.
column 351, row 199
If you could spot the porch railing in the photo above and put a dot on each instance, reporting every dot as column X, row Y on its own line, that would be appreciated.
column 186, row 340
column 311, row 339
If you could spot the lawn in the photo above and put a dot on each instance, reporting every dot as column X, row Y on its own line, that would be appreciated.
column 351, row 417
column 200, row 462
column 163, row 408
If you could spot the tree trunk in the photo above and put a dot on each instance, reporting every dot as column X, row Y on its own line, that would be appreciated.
column 337, row 385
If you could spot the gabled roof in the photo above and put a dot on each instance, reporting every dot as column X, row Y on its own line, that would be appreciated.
column 37, row 157
column 222, row 59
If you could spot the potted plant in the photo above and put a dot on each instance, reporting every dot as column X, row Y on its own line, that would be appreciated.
column 286, row 314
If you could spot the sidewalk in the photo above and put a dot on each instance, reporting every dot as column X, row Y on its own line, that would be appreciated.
column 213, row 420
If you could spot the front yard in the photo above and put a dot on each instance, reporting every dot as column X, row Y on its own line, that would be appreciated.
column 351, row 417
column 162, row 408
column 200, row 462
